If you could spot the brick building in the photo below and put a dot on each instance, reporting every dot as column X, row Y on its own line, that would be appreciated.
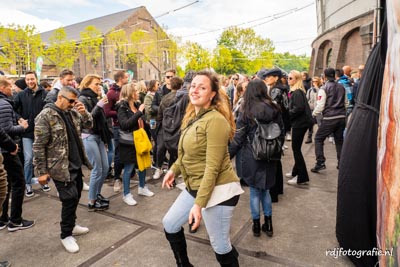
column 345, row 34
column 146, row 65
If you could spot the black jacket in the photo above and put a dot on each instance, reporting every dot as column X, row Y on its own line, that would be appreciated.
column 256, row 173
column 100, row 126
column 8, row 118
column 28, row 105
column 299, row 110
column 6, row 142
column 157, row 98
column 335, row 99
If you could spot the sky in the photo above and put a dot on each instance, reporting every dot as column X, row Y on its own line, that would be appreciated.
column 290, row 24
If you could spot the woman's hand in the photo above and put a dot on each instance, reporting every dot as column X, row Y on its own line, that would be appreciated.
column 141, row 107
column 168, row 180
column 195, row 217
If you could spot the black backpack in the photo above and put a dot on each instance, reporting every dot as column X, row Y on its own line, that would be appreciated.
column 172, row 121
column 266, row 143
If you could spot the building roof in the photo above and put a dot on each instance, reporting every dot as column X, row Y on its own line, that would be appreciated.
column 104, row 24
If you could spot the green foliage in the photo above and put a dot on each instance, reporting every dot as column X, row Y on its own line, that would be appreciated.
column 21, row 45
column 197, row 57
column 90, row 46
column 61, row 51
column 290, row 62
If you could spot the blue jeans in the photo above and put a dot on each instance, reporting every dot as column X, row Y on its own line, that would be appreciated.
column 217, row 220
column 27, row 144
column 110, row 152
column 97, row 155
column 257, row 196
column 126, row 178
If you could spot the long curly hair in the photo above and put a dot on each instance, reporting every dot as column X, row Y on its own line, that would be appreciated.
column 220, row 102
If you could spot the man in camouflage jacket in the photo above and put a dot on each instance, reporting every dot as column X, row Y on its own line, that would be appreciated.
column 59, row 154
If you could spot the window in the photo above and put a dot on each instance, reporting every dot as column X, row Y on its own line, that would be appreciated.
column 119, row 64
column 329, row 58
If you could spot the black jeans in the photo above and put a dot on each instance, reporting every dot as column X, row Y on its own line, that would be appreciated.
column 69, row 194
column 326, row 128
column 162, row 150
column 16, row 186
column 299, row 168
column 118, row 166
column 153, row 133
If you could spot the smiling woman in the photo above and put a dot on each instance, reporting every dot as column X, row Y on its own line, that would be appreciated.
column 212, row 187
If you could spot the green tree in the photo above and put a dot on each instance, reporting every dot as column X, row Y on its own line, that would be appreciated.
column 116, row 42
column 61, row 51
column 20, row 45
column 197, row 58
column 290, row 62
column 90, row 46
column 222, row 61
column 249, row 51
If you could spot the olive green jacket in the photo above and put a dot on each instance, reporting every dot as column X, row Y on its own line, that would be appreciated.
column 203, row 158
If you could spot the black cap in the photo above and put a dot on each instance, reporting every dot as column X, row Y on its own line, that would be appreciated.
column 21, row 83
column 263, row 73
column 329, row 73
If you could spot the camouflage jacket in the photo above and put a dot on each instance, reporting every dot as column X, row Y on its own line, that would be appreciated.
column 50, row 148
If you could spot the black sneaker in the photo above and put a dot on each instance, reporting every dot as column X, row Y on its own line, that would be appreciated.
column 46, row 188
column 3, row 225
column 29, row 191
column 97, row 206
column 318, row 167
column 102, row 199
column 25, row 224
column 5, row 264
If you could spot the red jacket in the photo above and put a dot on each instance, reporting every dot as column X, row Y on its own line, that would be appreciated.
column 110, row 107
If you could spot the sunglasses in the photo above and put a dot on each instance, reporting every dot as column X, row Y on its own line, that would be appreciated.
column 169, row 77
column 291, row 78
column 235, row 79
column 71, row 101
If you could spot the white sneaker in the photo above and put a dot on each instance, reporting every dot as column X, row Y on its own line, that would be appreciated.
column 288, row 137
column 144, row 191
column 157, row 174
column 292, row 181
column 85, row 187
column 331, row 140
column 117, row 186
column 80, row 230
column 289, row 175
column 70, row 244
column 128, row 199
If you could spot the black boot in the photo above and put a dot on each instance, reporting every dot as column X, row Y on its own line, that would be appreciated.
column 177, row 242
column 267, row 226
column 229, row 259
column 309, row 139
column 256, row 227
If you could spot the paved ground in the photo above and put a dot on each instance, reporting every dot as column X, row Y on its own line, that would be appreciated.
column 304, row 228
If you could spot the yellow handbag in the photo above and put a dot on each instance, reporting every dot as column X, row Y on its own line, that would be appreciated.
column 143, row 147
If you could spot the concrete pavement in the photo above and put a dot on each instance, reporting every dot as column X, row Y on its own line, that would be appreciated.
column 303, row 219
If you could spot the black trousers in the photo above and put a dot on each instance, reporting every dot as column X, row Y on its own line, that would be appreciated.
column 326, row 128
column 16, row 186
column 299, row 168
column 162, row 150
column 278, row 186
column 69, row 194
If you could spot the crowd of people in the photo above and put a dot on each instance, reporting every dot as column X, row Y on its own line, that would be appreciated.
column 202, row 128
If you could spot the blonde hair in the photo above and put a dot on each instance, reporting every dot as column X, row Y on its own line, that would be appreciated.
column 220, row 102
column 299, row 81
column 141, row 87
column 317, row 80
column 87, row 80
column 127, row 91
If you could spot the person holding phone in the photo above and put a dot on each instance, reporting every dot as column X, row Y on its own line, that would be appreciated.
column 212, row 186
